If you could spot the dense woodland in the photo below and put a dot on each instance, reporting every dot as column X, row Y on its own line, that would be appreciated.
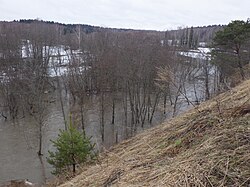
column 144, row 71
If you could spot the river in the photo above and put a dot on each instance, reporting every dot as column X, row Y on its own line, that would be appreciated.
column 19, row 138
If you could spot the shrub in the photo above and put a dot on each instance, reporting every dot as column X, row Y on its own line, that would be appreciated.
column 72, row 148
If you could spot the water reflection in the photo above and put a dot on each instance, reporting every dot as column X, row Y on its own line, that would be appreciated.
column 19, row 139
column 19, row 146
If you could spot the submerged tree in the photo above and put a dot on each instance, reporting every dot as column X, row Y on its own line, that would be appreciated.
column 72, row 148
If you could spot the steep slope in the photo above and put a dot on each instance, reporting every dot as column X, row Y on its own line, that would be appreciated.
column 207, row 146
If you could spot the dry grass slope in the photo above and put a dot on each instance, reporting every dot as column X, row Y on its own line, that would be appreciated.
column 207, row 146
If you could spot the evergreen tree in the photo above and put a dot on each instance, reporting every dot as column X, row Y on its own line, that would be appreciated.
column 229, row 45
column 72, row 148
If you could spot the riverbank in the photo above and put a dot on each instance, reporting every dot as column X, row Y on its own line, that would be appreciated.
column 207, row 146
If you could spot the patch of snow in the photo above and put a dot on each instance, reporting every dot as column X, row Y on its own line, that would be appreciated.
column 202, row 44
column 200, row 53
column 58, row 71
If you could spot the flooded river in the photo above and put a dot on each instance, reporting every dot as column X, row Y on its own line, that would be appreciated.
column 19, row 146
column 19, row 139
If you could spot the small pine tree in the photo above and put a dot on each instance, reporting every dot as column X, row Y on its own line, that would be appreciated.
column 72, row 148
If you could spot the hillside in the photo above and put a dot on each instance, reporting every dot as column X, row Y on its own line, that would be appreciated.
column 207, row 146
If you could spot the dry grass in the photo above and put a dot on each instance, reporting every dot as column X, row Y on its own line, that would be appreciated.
column 206, row 148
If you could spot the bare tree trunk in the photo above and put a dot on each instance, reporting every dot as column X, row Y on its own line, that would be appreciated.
column 154, row 107
column 176, row 100
column 165, row 103
column 132, row 109
column 82, row 117
column 195, row 94
column 125, row 109
column 61, row 103
column 40, row 139
column 73, row 164
column 175, row 105
column 102, row 115
column 113, row 111
column 207, row 92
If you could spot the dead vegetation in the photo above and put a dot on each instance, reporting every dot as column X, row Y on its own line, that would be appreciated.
column 206, row 148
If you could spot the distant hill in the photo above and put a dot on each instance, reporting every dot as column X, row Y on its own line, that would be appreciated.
column 70, row 27
column 207, row 146
column 200, row 34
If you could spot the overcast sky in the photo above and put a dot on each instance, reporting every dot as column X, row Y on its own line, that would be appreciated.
column 136, row 14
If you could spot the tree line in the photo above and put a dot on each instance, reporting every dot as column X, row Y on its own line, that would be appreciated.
column 137, row 70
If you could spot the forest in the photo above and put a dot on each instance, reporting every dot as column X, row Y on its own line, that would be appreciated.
column 122, row 79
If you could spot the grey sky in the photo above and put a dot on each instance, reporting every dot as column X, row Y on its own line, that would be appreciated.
column 137, row 14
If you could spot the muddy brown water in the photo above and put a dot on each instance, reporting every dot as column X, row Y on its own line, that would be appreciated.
column 19, row 140
column 19, row 146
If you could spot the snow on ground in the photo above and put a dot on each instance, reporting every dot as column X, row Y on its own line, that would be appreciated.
column 60, row 57
column 200, row 53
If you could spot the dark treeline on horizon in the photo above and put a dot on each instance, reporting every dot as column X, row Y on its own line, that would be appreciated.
column 93, row 28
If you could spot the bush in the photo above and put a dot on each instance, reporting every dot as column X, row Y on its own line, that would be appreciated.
column 72, row 148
